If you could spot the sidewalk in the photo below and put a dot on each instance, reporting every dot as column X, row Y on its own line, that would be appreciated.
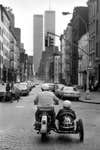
column 94, row 97
column 2, row 91
column 2, row 88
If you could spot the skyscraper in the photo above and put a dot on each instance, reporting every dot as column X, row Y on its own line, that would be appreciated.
column 49, row 23
column 37, row 40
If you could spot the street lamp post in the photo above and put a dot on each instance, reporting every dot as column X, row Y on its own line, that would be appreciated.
column 87, row 53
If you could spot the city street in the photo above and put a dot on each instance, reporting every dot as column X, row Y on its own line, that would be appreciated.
column 17, row 132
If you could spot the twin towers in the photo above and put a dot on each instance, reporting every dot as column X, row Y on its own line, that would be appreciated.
column 41, row 25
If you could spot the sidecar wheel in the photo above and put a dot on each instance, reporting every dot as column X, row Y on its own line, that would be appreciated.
column 81, row 130
column 43, row 136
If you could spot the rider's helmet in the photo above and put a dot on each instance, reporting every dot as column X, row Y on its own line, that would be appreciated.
column 67, row 104
column 44, row 87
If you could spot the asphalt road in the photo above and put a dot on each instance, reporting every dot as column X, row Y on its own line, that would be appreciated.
column 17, row 132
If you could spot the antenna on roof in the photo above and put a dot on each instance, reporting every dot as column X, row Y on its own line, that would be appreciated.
column 49, row 4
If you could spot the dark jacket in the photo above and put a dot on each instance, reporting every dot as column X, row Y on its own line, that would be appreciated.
column 7, row 87
column 63, row 112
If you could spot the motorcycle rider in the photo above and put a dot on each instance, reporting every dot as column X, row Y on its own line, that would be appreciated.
column 63, row 111
column 46, row 98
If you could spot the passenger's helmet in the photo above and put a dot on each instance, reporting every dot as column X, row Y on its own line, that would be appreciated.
column 67, row 104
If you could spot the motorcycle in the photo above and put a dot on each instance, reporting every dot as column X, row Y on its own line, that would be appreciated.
column 67, row 126
column 44, row 123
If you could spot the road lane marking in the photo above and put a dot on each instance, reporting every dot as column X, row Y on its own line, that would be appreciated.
column 19, row 106
column 1, row 131
column 5, row 130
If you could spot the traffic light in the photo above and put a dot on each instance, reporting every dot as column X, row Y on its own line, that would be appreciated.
column 47, row 39
column 51, row 41
column 46, row 42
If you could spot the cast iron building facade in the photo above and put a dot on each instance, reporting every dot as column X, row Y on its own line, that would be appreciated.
column 94, row 38
column 79, row 27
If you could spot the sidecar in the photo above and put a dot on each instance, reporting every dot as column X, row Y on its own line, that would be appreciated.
column 70, row 126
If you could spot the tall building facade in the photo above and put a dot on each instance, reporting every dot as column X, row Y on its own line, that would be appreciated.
column 66, row 49
column 49, row 42
column 1, row 46
column 5, row 43
column 83, row 60
column 79, row 27
column 49, row 25
column 37, row 40
column 94, row 38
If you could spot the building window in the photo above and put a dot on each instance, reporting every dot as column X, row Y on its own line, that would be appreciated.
column 97, row 27
column 94, row 43
column 97, row 49
column 0, row 31
column 0, row 45
column 97, row 5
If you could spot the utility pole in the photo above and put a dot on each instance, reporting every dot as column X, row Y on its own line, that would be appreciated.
column 49, row 5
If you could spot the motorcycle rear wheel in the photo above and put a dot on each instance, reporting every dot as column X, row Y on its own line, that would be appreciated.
column 43, row 136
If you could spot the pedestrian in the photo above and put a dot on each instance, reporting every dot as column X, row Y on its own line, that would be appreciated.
column 7, row 87
column 12, row 85
column 8, row 92
column 96, row 85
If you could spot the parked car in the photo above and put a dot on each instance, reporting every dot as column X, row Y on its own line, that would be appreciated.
column 24, row 90
column 29, row 85
column 2, row 94
column 52, row 86
column 49, row 86
column 69, row 92
column 16, row 93
column 58, row 90
column 33, row 84
column 45, row 86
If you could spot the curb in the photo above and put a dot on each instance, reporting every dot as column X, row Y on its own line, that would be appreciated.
column 91, row 102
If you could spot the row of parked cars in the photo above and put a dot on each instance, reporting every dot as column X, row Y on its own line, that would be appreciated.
column 18, row 90
column 64, row 92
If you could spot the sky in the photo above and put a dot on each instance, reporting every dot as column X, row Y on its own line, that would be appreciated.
column 25, row 9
